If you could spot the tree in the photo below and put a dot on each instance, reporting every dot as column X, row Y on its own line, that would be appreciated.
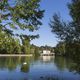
column 69, row 32
column 22, row 15
column 60, row 49
column 26, row 47
column 74, row 9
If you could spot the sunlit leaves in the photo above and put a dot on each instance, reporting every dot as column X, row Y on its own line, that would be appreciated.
column 69, row 32
column 21, row 15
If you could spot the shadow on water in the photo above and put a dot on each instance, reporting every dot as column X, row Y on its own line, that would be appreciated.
column 11, row 63
column 25, row 67
column 67, row 63
column 48, row 78
column 63, row 65
column 39, row 68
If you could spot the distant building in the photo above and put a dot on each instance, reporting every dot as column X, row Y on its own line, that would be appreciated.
column 47, row 53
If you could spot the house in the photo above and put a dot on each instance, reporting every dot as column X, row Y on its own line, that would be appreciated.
column 47, row 53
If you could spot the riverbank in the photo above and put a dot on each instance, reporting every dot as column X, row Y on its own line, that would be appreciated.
column 15, row 55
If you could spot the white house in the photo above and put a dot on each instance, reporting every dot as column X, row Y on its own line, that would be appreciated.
column 46, row 52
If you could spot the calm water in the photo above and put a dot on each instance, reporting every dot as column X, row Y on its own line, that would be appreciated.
column 41, row 68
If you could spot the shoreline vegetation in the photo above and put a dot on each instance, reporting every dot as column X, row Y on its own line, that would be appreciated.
column 22, row 17
column 68, row 32
column 14, row 21
column 30, row 55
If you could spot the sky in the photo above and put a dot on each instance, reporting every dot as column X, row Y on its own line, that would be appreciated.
column 51, row 7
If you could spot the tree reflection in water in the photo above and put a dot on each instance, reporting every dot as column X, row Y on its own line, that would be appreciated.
column 41, row 68
column 67, row 63
column 25, row 68
column 11, row 63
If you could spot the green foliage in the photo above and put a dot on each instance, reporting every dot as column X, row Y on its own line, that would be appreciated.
column 60, row 49
column 22, row 15
column 8, row 44
column 68, row 33
column 74, row 8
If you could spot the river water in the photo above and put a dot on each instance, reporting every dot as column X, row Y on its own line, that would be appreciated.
column 38, row 68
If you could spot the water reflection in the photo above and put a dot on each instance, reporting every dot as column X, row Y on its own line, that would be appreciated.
column 67, row 63
column 41, row 68
column 25, row 67
column 47, row 58
column 11, row 63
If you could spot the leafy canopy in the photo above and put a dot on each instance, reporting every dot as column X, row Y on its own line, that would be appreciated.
column 21, row 15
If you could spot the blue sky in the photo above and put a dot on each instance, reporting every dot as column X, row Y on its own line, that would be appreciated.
column 51, row 7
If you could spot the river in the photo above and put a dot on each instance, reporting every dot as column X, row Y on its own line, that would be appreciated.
column 38, row 68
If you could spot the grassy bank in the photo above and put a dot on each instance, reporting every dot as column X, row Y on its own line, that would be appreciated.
column 16, row 55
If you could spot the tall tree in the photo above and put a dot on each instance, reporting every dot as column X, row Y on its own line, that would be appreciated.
column 74, row 8
column 18, row 15
column 69, row 32
column 23, row 14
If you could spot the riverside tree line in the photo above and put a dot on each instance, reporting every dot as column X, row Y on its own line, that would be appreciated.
column 68, row 32
column 16, row 16
column 23, row 15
